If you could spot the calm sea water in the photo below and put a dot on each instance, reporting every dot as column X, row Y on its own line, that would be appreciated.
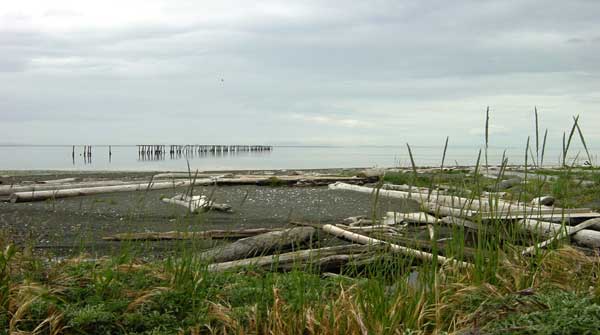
column 298, row 157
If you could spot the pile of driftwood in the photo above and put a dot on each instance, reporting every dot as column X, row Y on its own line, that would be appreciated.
column 539, row 216
column 74, row 187
column 284, row 249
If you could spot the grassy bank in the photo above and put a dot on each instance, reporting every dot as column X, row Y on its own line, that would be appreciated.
column 554, row 292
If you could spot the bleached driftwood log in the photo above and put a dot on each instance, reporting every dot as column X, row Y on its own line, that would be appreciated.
column 321, row 259
column 439, row 210
column 550, row 214
column 179, row 235
column 260, row 244
column 354, row 237
column 40, row 192
column 459, row 222
column 36, row 187
column 355, row 221
column 60, row 181
column 76, row 192
column 413, row 189
column 562, row 234
column 444, row 200
column 392, row 218
column 587, row 237
column 196, row 203
column 376, row 228
column 188, row 175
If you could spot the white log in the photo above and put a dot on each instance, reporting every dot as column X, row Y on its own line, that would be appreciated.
column 339, row 232
column 439, row 210
column 392, row 218
column 444, row 200
column 15, row 188
column 587, row 238
column 66, row 193
column 212, row 180
column 413, row 189
column 196, row 204
column 60, row 181
column 562, row 234
column 186, row 175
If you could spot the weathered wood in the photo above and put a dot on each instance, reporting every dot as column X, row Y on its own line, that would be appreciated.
column 187, row 175
column 76, row 192
column 541, row 213
column 393, row 218
column 179, row 235
column 354, row 237
column 376, row 228
column 587, row 237
column 40, row 192
column 441, row 211
column 314, row 258
column 413, row 189
column 196, row 204
column 60, row 181
column 442, row 200
column 260, row 244
column 562, row 234
column 36, row 187
column 459, row 222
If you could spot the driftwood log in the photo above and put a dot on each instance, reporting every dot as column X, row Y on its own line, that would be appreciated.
column 40, row 192
column 179, row 235
column 562, row 234
column 262, row 244
column 36, row 187
column 196, row 204
column 322, row 259
column 441, row 211
column 392, row 218
column 587, row 237
column 442, row 200
column 75, row 192
column 459, row 222
column 418, row 254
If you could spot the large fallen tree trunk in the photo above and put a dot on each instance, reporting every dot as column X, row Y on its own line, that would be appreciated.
column 179, row 235
column 260, row 244
column 587, row 238
column 418, row 254
column 321, row 259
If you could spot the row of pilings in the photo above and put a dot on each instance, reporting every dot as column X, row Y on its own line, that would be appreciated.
column 87, row 153
column 159, row 151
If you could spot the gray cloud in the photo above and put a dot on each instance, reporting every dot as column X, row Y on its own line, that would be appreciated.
column 303, row 72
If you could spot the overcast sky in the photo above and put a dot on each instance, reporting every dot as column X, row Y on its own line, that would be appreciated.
column 296, row 72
